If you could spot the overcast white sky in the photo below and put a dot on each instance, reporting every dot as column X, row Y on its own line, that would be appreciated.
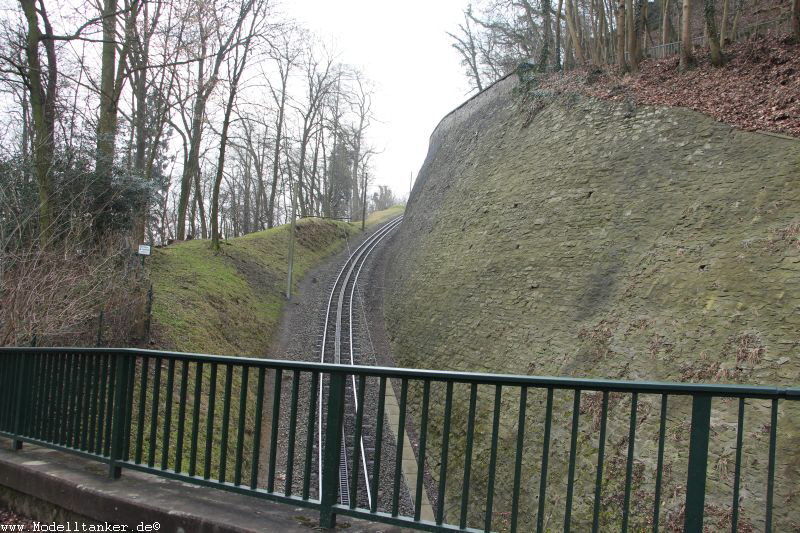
column 403, row 48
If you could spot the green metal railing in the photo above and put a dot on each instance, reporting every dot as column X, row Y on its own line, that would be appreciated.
column 501, row 453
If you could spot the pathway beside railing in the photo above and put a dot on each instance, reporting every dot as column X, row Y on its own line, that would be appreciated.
column 505, row 453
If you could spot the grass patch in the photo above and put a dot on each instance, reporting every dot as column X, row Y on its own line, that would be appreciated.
column 230, row 302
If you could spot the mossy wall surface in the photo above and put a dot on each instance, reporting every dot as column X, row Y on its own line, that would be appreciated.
column 565, row 236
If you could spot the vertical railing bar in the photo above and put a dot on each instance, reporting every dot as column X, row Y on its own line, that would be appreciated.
column 312, row 413
column 423, row 440
column 72, row 407
column 629, row 464
column 737, row 476
column 601, row 450
column 273, row 445
column 117, row 414
column 292, row 434
column 80, row 396
column 165, row 437
column 182, row 394
column 237, row 472
column 362, row 379
column 6, row 393
column 154, row 410
column 93, row 422
column 698, row 463
column 399, row 450
column 66, row 401
column 212, row 399
column 142, row 408
column 101, row 402
column 42, row 385
column 61, row 413
column 112, row 387
column 448, row 408
column 20, row 400
column 91, row 407
column 27, row 380
column 6, row 365
column 254, row 464
column 498, row 391
column 196, row 405
column 548, row 418
column 226, row 416
column 376, row 466
column 58, row 410
column 36, row 395
column 5, row 386
column 773, row 437
column 126, row 441
column 473, row 398
column 662, row 428
column 85, row 402
column 30, row 394
column 573, row 448
column 332, row 451
column 41, row 395
column 49, row 386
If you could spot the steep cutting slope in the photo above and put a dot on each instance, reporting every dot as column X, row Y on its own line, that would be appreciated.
column 558, row 235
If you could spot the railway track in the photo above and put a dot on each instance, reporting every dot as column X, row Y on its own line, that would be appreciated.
column 338, row 346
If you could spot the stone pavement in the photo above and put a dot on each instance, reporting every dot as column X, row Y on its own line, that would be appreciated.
column 61, row 488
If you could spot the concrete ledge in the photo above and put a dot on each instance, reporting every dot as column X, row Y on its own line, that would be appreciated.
column 54, row 486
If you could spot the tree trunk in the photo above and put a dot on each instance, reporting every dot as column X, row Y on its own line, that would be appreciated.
column 687, row 59
column 192, row 166
column 223, row 143
column 558, row 35
column 622, row 65
column 796, row 20
column 711, row 30
column 723, row 30
column 573, row 32
column 635, row 34
column 42, row 100
column 201, row 207
column 276, row 154
column 107, row 120
column 547, row 38
column 665, row 22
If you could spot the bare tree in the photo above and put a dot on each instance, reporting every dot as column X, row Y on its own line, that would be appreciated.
column 41, row 82
column 236, row 66
column 215, row 43
column 467, row 47
column 285, row 54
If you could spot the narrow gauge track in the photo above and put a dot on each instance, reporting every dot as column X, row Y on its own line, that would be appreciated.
column 337, row 347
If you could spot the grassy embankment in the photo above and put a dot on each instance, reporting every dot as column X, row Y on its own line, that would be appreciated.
column 230, row 302
column 226, row 303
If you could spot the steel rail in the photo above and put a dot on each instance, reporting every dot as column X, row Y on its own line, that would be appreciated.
column 339, row 288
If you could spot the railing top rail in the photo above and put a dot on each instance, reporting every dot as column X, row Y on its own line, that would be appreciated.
column 646, row 387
